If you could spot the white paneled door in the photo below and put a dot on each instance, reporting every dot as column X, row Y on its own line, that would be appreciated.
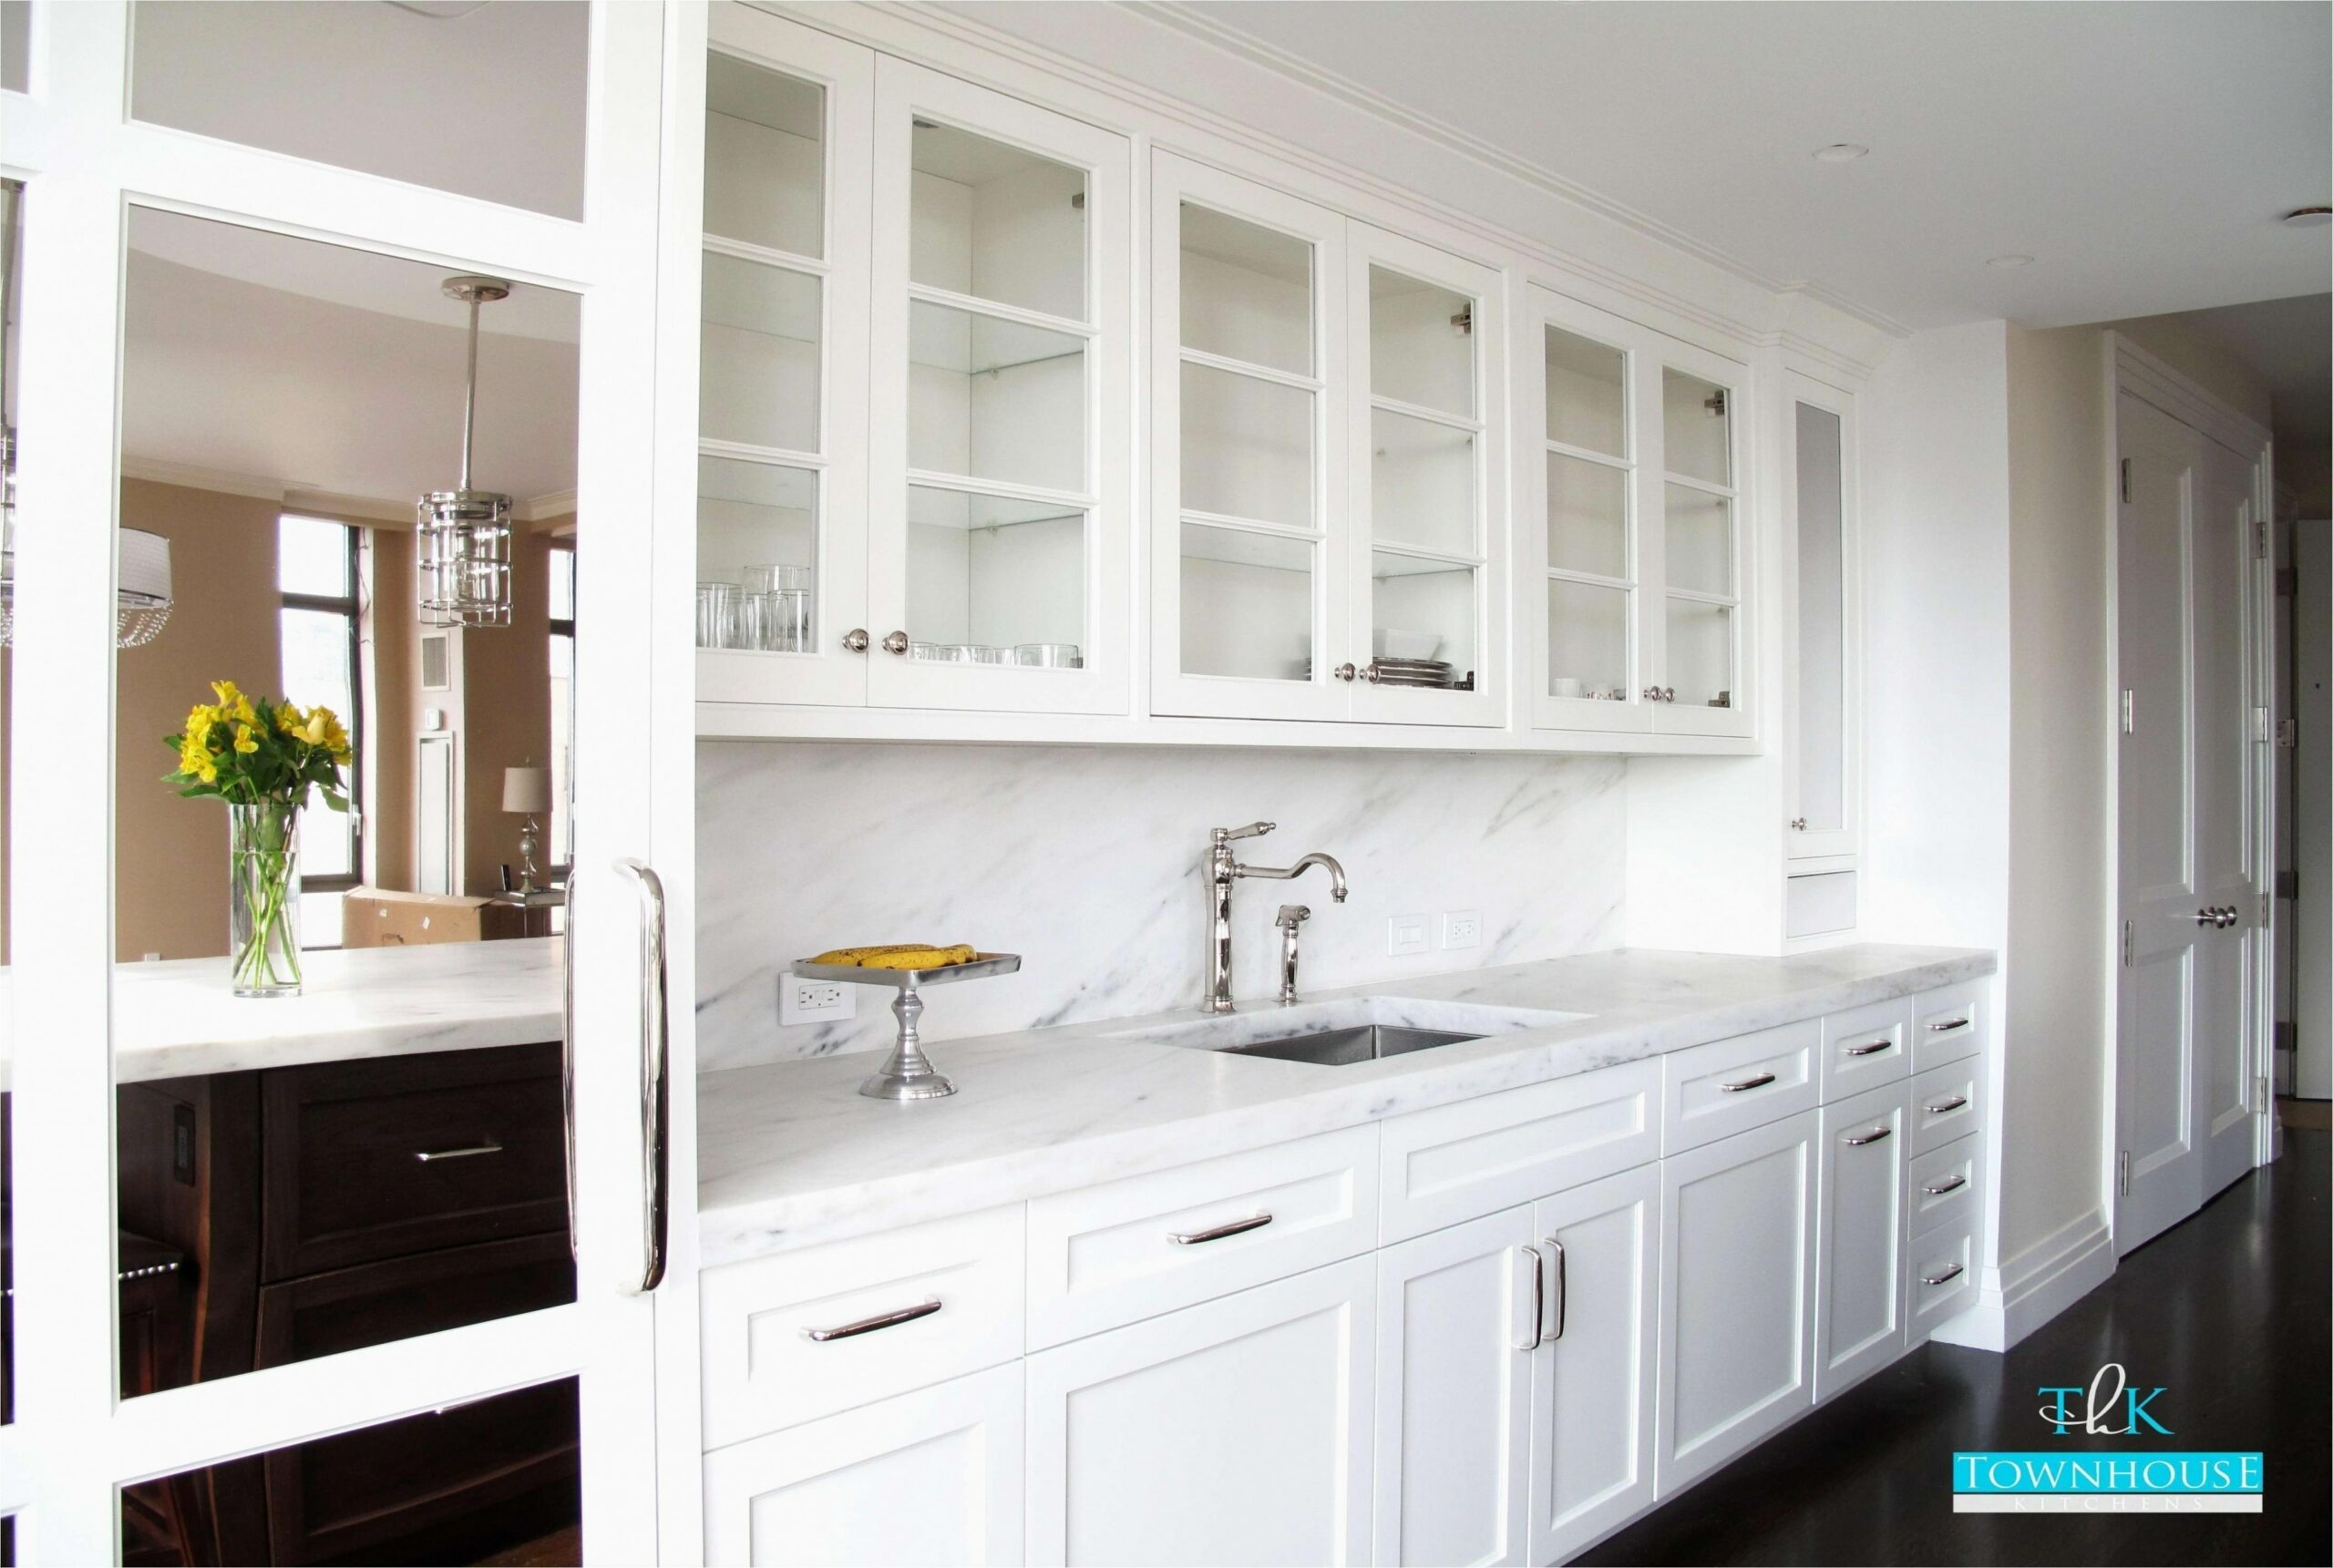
column 90, row 167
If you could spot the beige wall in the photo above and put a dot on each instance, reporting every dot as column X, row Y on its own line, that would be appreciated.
column 504, row 715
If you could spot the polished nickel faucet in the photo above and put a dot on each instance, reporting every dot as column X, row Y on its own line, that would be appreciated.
column 1223, row 869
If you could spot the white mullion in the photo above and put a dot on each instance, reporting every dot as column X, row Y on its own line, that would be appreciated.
column 1687, row 482
column 763, row 255
column 995, row 310
column 1695, row 596
column 1253, row 525
column 1415, row 552
column 1253, row 372
column 1602, row 459
column 1003, row 489
column 1593, row 580
column 1425, row 416
column 770, row 456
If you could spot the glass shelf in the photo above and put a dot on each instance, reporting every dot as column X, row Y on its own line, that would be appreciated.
column 1699, row 539
column 764, row 157
column 759, row 371
column 1697, row 428
column 1587, row 639
column 1246, row 291
column 1247, row 604
column 1417, row 598
column 1588, row 516
column 1246, row 447
column 995, row 400
column 994, row 222
column 1421, row 483
column 1421, row 344
column 995, row 571
column 1700, row 649
column 752, row 515
column 1587, row 393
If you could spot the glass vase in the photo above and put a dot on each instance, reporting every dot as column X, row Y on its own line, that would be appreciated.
column 264, row 898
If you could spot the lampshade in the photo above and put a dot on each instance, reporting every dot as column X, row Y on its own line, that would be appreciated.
column 526, row 791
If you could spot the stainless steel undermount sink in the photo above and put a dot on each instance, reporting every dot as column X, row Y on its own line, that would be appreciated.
column 1350, row 1029
column 1343, row 1047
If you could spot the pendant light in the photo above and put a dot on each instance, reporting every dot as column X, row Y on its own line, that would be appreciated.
column 462, row 549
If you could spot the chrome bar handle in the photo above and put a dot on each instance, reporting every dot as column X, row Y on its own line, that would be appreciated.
column 1755, row 1080
column 1953, row 1185
column 1854, row 1141
column 1946, row 1276
column 1873, row 1048
column 1527, row 1338
column 1217, row 1233
column 426, row 1155
column 1563, row 1286
column 1945, row 1025
column 567, row 1045
column 1953, row 1103
column 869, row 1325
column 655, row 1087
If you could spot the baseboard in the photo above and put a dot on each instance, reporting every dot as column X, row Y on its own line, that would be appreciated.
column 2034, row 1287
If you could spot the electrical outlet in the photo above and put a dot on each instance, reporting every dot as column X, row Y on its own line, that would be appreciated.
column 1406, row 934
column 1462, row 928
column 801, row 1000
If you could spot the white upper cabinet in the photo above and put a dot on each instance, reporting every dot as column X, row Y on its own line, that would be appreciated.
column 1638, row 562
column 1826, row 777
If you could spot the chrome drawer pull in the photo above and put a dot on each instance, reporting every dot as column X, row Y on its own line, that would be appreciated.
column 1530, row 1341
column 1953, row 1185
column 1757, row 1080
column 1947, row 1025
column 1563, row 1287
column 1854, row 1141
column 1955, row 1104
column 1217, row 1233
column 1947, row 1275
column 426, row 1155
column 869, row 1325
column 1876, row 1045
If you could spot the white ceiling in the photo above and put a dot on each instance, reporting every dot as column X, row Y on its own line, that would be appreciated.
column 2142, row 154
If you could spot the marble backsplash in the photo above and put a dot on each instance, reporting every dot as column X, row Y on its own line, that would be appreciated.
column 1085, row 860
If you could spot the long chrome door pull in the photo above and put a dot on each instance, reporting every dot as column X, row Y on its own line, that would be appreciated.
column 1563, row 1286
column 1526, row 1335
column 1954, row 1103
column 1873, row 1048
column 1856, row 1140
column 655, row 1088
column 1953, row 1185
column 426, row 1155
column 1217, row 1233
column 1756, row 1081
column 1948, row 1274
column 869, row 1325
column 566, row 1046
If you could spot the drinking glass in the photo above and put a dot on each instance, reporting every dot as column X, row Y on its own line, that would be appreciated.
column 1048, row 656
column 716, row 611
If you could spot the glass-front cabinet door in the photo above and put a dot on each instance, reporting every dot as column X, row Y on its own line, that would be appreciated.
column 1821, row 499
column 1000, row 507
column 1701, row 641
column 1427, row 412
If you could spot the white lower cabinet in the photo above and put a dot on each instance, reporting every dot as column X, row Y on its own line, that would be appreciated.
column 1235, row 1431
column 929, row 1477
column 1859, row 1302
column 1737, row 1289
column 1457, row 1321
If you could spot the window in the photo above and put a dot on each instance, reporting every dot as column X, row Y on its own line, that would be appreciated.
column 316, row 572
column 558, row 843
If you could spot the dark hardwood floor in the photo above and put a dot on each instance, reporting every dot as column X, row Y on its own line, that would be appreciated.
column 2230, row 1312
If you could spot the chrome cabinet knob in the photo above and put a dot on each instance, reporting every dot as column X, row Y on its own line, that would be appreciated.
column 1668, row 694
column 855, row 639
column 1371, row 673
column 1798, row 824
column 1345, row 672
column 1653, row 693
column 897, row 643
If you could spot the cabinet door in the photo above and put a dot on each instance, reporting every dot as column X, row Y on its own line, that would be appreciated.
column 1233, row 1432
column 1592, row 1388
column 781, row 370
column 1737, row 1288
column 1428, row 522
column 1000, row 503
column 1456, row 1323
column 1249, row 565
column 1859, row 1303
column 1826, row 778
column 1704, row 562
column 923, row 1478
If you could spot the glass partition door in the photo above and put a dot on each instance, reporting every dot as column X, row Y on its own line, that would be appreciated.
column 1826, row 781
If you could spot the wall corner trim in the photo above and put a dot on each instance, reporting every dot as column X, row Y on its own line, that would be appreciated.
column 2037, row 1285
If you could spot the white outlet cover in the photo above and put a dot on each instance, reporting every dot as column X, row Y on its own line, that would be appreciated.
column 801, row 1000
column 1406, row 934
column 1462, row 928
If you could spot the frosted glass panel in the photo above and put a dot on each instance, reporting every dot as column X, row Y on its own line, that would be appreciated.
column 1700, row 540
column 758, row 377
column 1588, row 516
column 993, row 574
column 1422, row 484
column 1421, row 344
column 764, row 157
column 993, row 399
column 1423, row 610
column 1697, row 427
column 1587, row 641
column 995, row 222
column 1246, row 447
column 1587, row 393
column 1247, row 604
column 1246, row 291
column 1701, row 653
column 1822, row 623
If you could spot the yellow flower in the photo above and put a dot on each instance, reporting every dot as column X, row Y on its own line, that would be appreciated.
column 227, row 693
column 209, row 772
column 244, row 742
column 321, row 728
column 288, row 718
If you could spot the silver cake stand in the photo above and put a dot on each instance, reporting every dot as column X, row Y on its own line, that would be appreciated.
column 908, row 1074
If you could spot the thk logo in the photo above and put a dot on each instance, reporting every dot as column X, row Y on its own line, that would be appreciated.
column 2108, row 1396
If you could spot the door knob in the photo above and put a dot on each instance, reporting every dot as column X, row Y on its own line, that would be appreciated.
column 855, row 639
column 2209, row 915
column 897, row 643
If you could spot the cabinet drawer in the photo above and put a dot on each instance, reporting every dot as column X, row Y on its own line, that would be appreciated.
column 1947, row 1102
column 366, row 1160
column 1949, row 1024
column 897, row 1311
column 1944, row 1275
column 1942, row 1185
column 1729, row 1086
column 1867, row 1047
column 1459, row 1161
column 1135, row 1248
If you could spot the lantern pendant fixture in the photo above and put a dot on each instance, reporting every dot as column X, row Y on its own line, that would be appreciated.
column 462, row 536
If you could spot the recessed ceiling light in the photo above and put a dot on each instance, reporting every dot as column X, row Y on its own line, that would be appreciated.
column 2309, row 217
column 1840, row 152
column 2007, row 260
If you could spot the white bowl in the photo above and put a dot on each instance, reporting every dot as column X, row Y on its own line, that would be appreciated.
column 1393, row 644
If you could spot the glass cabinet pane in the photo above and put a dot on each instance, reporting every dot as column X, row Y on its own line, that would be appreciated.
column 1422, row 484
column 764, row 157
column 993, row 399
column 1697, row 427
column 1422, row 611
column 1421, row 344
column 994, row 581
column 1588, row 516
column 758, row 376
column 1587, row 393
column 1246, row 447
column 1587, row 641
column 1247, row 604
column 757, row 556
column 1700, row 649
column 1699, row 540
column 1821, row 623
column 995, row 222
column 1246, row 291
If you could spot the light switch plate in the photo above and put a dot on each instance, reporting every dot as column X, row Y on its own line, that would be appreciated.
column 1462, row 928
column 801, row 1000
column 1406, row 934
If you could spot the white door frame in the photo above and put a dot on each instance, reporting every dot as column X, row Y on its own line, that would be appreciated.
column 2130, row 369
column 85, row 163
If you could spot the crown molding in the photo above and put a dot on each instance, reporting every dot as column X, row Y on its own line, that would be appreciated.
column 193, row 476
column 542, row 509
column 372, row 509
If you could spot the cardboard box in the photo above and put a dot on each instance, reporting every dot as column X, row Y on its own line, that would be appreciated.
column 374, row 917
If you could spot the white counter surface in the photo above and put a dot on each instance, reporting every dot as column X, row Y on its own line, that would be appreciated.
column 790, row 1152
column 180, row 1019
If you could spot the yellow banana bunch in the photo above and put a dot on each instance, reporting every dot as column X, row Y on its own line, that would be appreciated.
column 899, row 956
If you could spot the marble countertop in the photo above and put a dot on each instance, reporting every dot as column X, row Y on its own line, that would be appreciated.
column 789, row 1152
column 180, row 1018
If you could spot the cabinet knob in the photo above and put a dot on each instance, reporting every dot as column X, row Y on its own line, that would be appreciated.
column 1370, row 673
column 856, row 640
column 1345, row 672
column 1798, row 824
column 1668, row 694
column 1653, row 693
column 897, row 643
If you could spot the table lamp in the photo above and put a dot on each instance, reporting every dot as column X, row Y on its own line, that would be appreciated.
column 527, row 791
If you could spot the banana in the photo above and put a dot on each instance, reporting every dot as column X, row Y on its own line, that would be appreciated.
column 899, row 956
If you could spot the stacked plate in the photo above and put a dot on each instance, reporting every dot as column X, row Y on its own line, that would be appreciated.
column 1415, row 672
